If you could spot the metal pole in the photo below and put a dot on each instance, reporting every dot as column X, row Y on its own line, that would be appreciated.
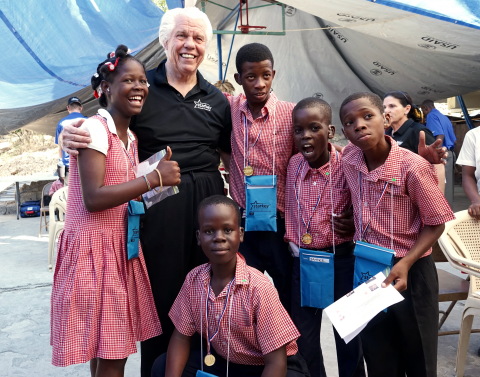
column 468, row 120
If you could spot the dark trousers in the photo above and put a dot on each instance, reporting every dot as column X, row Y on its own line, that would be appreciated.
column 403, row 341
column 171, row 251
column 308, row 321
column 296, row 366
column 267, row 251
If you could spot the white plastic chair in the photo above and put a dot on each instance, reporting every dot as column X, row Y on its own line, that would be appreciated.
column 58, row 205
column 44, row 209
column 460, row 242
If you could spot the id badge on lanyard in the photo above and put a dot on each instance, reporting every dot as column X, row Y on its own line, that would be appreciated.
column 370, row 260
column 261, row 203
column 201, row 373
column 135, row 209
column 316, row 278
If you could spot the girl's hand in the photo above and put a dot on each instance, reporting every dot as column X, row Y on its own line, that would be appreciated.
column 169, row 170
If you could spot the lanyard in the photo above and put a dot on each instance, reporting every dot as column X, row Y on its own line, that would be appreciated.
column 300, row 169
column 364, row 231
column 209, row 339
column 246, row 146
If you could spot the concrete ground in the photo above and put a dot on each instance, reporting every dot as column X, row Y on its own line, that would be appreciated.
column 25, row 285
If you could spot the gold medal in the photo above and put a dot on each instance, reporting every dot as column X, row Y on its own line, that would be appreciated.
column 248, row 170
column 307, row 238
column 209, row 360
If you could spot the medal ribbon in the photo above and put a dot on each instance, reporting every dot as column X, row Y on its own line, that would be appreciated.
column 210, row 338
column 362, row 237
column 297, row 197
column 246, row 146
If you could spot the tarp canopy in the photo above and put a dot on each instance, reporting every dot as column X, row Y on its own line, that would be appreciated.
column 431, row 49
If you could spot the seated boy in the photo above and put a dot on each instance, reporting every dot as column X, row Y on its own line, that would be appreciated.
column 317, row 196
column 234, row 307
column 397, row 205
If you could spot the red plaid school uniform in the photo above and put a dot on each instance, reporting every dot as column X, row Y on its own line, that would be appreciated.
column 275, row 128
column 101, row 302
column 259, row 324
column 310, row 190
column 416, row 200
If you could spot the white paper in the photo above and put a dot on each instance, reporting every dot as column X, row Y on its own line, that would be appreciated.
column 351, row 313
column 155, row 195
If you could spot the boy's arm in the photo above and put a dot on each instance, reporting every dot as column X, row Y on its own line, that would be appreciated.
column 425, row 240
column 177, row 354
column 275, row 363
column 469, row 184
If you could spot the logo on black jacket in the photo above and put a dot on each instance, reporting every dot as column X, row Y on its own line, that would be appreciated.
column 201, row 105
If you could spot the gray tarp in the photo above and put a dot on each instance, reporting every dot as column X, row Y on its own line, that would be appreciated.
column 428, row 48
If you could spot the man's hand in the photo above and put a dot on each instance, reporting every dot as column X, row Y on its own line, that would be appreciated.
column 474, row 210
column 434, row 153
column 71, row 138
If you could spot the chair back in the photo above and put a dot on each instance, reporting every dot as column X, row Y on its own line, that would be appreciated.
column 59, row 203
column 45, row 194
column 460, row 242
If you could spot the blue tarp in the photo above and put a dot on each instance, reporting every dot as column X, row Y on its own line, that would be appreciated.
column 51, row 48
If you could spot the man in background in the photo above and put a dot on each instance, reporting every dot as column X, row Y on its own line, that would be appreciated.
column 74, row 108
column 442, row 129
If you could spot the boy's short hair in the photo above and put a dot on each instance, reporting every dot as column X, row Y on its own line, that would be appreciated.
column 320, row 104
column 219, row 199
column 252, row 53
column 374, row 99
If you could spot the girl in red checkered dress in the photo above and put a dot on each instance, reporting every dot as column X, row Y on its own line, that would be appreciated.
column 102, row 303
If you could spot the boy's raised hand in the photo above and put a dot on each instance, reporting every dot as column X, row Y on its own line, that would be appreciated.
column 73, row 138
column 169, row 170
column 434, row 153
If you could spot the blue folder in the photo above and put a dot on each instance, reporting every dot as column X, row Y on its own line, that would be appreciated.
column 316, row 278
column 370, row 260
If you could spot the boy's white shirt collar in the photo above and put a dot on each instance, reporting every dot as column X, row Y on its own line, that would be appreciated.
column 112, row 128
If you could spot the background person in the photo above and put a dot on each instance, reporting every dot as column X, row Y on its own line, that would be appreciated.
column 187, row 113
column 404, row 127
column 442, row 129
column 74, row 108
column 469, row 158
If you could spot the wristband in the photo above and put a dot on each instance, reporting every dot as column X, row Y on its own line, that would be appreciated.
column 160, row 178
column 147, row 182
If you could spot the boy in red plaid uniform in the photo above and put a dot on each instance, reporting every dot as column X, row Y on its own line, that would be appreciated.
column 318, row 216
column 397, row 205
column 244, row 327
column 262, row 144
